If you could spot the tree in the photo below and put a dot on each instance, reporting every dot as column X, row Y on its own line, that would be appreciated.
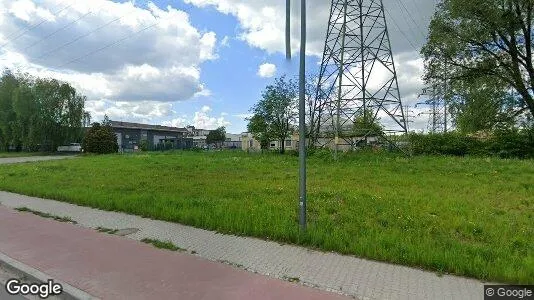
column 491, row 39
column 259, row 128
column 276, row 113
column 38, row 114
column 482, row 105
column 216, row 136
column 366, row 125
column 100, row 139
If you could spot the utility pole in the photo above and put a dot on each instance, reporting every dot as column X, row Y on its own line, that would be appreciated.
column 302, row 106
column 302, row 118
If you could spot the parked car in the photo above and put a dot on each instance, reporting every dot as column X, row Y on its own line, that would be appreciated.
column 73, row 147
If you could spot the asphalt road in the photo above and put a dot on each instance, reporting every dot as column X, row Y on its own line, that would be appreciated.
column 5, row 296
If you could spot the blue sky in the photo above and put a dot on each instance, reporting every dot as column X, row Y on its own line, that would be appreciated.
column 197, row 65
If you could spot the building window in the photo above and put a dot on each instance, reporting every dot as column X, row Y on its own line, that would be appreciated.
column 288, row 143
column 273, row 145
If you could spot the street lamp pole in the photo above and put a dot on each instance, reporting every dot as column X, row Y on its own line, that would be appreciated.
column 302, row 105
column 302, row 118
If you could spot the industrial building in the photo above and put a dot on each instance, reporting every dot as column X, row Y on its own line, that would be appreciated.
column 131, row 135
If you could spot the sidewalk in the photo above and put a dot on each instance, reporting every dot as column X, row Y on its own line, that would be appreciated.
column 112, row 267
column 349, row 275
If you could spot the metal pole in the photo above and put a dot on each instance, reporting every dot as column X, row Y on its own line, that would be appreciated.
column 288, row 29
column 302, row 118
column 341, row 69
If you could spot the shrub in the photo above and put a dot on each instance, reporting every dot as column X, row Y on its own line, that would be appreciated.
column 143, row 145
column 100, row 140
column 511, row 143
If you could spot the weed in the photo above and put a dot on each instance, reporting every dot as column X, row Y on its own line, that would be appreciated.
column 162, row 245
column 47, row 215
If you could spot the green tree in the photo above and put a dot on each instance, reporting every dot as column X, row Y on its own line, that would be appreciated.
column 8, row 84
column 38, row 113
column 276, row 112
column 482, row 105
column 491, row 39
column 259, row 128
column 100, row 139
column 217, row 136
column 365, row 124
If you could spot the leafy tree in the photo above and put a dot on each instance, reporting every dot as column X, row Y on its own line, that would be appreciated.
column 490, row 39
column 276, row 113
column 38, row 114
column 365, row 124
column 482, row 105
column 216, row 136
column 259, row 128
column 8, row 84
column 100, row 139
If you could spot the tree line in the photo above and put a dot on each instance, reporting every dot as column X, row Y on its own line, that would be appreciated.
column 479, row 56
column 39, row 114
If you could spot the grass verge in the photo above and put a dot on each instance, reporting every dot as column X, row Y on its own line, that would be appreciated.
column 162, row 245
column 466, row 216
column 46, row 215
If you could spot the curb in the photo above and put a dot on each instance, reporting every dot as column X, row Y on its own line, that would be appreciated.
column 36, row 276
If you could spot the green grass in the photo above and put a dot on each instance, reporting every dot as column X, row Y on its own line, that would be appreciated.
column 23, row 154
column 466, row 216
column 107, row 230
column 162, row 245
column 46, row 215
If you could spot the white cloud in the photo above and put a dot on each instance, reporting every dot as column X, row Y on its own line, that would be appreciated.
column 267, row 70
column 146, row 54
column 142, row 111
column 177, row 122
column 200, row 119
column 225, row 42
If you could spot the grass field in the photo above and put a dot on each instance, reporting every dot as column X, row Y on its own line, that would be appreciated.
column 22, row 154
column 466, row 216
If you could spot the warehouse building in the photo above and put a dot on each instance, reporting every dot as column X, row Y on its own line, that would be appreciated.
column 130, row 136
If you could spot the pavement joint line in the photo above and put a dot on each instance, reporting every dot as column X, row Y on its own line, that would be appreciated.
column 35, row 276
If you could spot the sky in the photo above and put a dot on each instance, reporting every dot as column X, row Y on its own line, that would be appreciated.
column 187, row 62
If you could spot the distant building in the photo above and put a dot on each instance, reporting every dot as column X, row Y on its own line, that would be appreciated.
column 251, row 144
column 131, row 135
column 233, row 141
column 198, row 136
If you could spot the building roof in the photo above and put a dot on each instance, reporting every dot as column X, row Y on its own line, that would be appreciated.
column 129, row 125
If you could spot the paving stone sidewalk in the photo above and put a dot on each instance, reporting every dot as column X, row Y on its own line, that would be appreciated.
column 363, row 279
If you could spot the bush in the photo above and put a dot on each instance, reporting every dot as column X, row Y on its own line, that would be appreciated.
column 143, row 145
column 100, row 140
column 505, row 144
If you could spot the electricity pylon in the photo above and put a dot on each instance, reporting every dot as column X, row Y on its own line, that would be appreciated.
column 437, row 115
column 357, row 87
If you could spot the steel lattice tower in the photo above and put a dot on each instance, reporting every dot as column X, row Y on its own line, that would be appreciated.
column 437, row 114
column 357, row 79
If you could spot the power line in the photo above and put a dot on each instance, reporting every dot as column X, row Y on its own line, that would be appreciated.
column 108, row 45
column 80, row 37
column 400, row 30
column 401, row 3
column 62, row 28
column 32, row 27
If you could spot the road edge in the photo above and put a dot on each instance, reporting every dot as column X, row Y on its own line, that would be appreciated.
column 34, row 275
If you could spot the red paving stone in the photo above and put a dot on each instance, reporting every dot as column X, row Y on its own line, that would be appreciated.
column 112, row 267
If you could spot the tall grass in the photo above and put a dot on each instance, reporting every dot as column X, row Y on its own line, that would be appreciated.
column 466, row 216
